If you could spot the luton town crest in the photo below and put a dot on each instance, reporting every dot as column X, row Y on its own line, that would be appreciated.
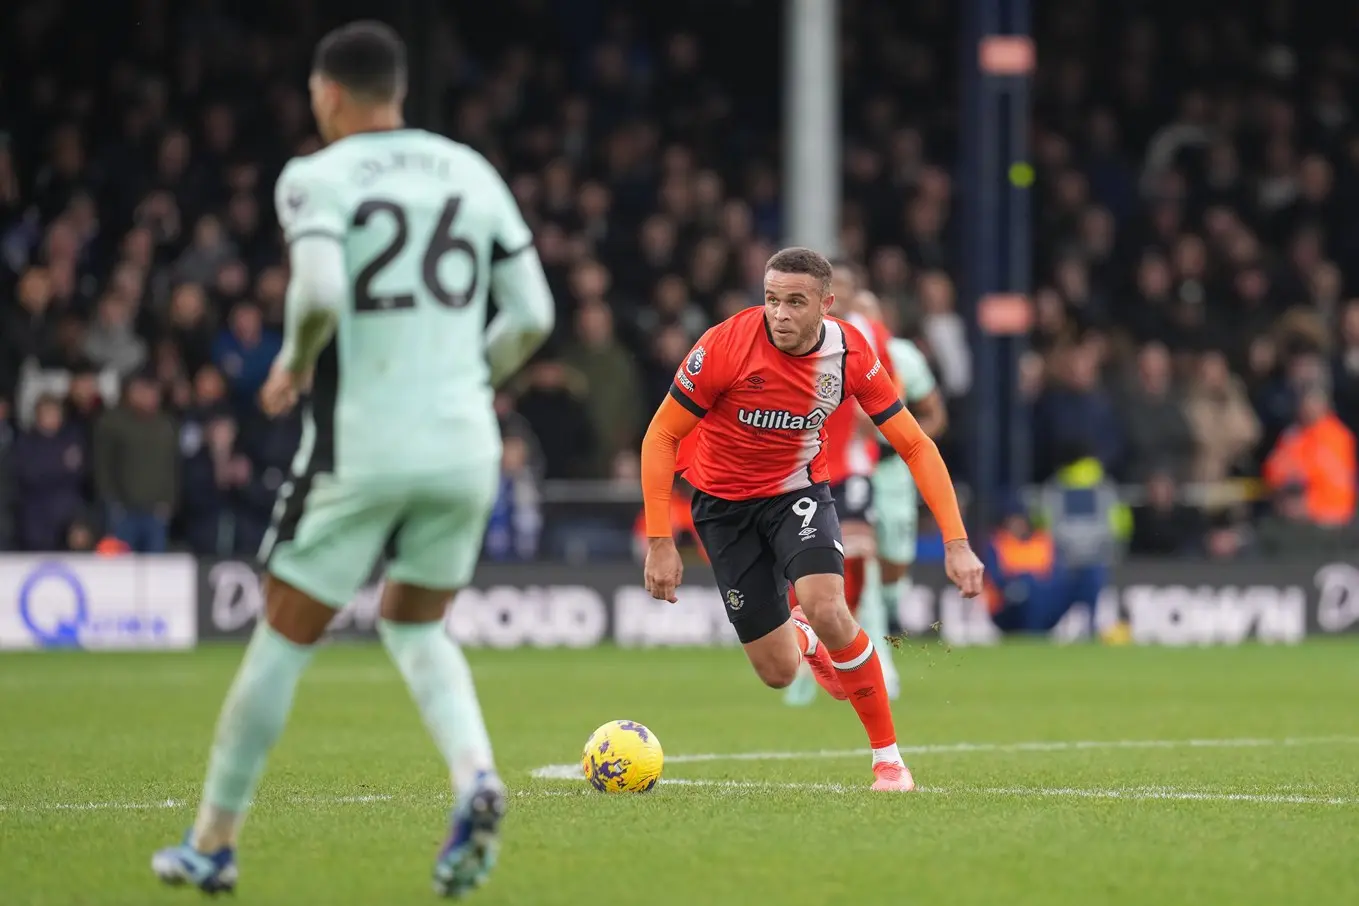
column 828, row 386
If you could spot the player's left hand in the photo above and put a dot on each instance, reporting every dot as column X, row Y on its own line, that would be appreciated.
column 963, row 568
column 280, row 391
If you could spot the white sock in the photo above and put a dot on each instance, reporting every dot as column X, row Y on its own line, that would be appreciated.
column 812, row 640
column 441, row 684
column 253, row 716
column 889, row 754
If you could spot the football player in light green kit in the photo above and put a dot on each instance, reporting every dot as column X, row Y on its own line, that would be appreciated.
column 395, row 237
column 895, row 499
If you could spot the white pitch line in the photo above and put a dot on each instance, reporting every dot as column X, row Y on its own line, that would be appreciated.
column 95, row 806
column 964, row 748
column 180, row 803
column 571, row 771
column 1128, row 795
column 732, row 786
column 1159, row 794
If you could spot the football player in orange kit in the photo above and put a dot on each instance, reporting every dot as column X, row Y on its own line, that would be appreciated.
column 756, row 391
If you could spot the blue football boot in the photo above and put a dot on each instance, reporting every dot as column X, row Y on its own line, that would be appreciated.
column 209, row 872
column 473, row 839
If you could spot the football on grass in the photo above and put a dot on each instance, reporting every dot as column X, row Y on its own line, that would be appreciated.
column 622, row 757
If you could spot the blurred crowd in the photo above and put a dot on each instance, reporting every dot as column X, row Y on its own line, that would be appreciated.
column 1196, row 224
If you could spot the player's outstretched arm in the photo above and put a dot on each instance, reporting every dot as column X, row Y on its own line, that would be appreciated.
column 660, row 448
column 877, row 392
column 526, row 313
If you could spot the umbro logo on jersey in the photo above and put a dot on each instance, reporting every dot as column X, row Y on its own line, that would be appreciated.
column 781, row 419
column 755, row 382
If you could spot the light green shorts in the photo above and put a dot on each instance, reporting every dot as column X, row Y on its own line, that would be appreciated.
column 327, row 535
column 897, row 506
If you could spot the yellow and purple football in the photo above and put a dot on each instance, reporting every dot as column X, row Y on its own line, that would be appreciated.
column 622, row 757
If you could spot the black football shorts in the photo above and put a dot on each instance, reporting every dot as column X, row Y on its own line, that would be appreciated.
column 757, row 547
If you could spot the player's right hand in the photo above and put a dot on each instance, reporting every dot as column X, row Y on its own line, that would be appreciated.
column 281, row 390
column 963, row 568
column 664, row 569
column 279, row 393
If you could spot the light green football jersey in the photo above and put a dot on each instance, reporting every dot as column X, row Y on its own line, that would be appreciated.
column 404, row 388
column 913, row 371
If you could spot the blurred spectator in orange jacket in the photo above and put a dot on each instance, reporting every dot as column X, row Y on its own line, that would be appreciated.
column 1317, row 454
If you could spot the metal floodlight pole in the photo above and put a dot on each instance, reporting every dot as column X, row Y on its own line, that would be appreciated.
column 811, row 132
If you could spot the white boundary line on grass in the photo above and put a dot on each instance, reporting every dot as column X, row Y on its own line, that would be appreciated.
column 1133, row 794
column 965, row 748
column 178, row 803
column 573, row 771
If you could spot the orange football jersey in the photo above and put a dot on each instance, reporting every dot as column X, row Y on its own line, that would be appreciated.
column 764, row 412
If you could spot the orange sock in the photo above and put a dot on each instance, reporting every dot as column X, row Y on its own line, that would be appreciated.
column 861, row 678
column 854, row 583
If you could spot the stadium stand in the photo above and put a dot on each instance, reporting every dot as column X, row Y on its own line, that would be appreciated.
column 1196, row 189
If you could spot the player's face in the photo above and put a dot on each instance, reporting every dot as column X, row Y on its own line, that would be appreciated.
column 793, row 309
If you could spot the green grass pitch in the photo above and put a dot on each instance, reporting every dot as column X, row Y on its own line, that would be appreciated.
column 1078, row 775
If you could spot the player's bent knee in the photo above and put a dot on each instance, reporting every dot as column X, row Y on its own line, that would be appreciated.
column 778, row 675
column 777, row 671
column 293, row 613
column 403, row 603
column 775, row 657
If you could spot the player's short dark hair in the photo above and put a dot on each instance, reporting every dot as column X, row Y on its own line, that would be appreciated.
column 368, row 58
column 802, row 261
